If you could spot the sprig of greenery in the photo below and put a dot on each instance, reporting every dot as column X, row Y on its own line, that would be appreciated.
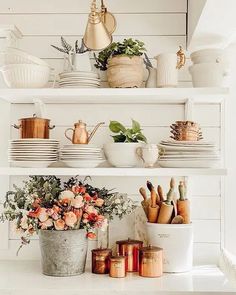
column 124, row 134
column 128, row 47
column 67, row 48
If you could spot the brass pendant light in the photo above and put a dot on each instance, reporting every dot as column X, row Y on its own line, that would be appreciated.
column 96, row 35
column 107, row 18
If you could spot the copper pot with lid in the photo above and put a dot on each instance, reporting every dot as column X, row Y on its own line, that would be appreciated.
column 34, row 127
column 130, row 249
column 151, row 262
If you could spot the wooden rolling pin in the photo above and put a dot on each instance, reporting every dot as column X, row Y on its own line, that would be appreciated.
column 166, row 209
column 145, row 203
column 183, row 204
column 153, row 208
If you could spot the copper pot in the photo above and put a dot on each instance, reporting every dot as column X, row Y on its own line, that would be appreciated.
column 101, row 260
column 151, row 262
column 34, row 127
column 130, row 249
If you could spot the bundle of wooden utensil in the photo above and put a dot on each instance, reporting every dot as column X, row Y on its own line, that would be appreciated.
column 186, row 131
column 166, row 210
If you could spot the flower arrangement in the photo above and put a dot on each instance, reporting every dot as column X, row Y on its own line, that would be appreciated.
column 44, row 204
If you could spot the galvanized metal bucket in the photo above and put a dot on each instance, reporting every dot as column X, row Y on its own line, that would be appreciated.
column 63, row 252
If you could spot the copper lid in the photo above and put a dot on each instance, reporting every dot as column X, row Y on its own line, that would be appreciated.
column 129, row 241
column 117, row 257
column 101, row 250
column 151, row 249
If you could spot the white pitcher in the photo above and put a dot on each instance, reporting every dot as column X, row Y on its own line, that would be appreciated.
column 168, row 65
column 77, row 62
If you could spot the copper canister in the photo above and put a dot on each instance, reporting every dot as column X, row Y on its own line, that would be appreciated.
column 101, row 260
column 151, row 262
column 130, row 249
column 117, row 266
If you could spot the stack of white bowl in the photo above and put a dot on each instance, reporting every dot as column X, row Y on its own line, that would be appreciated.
column 22, row 70
column 210, row 67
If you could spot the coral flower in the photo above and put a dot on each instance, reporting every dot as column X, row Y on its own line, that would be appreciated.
column 59, row 224
column 99, row 202
column 78, row 189
column 92, row 217
column 91, row 235
column 77, row 202
column 35, row 213
column 43, row 216
column 36, row 203
column 87, row 197
column 70, row 218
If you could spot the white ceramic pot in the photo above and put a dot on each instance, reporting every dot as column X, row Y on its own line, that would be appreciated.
column 177, row 243
column 167, row 73
column 208, row 74
column 120, row 154
column 211, row 55
column 81, row 62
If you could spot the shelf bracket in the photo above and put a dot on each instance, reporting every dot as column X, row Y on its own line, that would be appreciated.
column 188, row 109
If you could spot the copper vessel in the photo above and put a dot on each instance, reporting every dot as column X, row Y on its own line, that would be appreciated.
column 80, row 134
column 34, row 127
column 151, row 262
column 117, row 266
column 130, row 249
column 101, row 260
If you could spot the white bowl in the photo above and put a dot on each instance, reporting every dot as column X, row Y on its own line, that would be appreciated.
column 208, row 74
column 25, row 75
column 121, row 154
column 211, row 55
column 13, row 55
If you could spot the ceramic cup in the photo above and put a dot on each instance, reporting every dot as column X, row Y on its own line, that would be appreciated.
column 149, row 154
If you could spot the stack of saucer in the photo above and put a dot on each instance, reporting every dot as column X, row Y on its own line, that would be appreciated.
column 81, row 155
column 33, row 152
column 79, row 80
column 188, row 154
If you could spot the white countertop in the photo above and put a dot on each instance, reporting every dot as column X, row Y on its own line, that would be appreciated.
column 25, row 278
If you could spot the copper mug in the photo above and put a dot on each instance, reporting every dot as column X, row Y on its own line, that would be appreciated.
column 34, row 127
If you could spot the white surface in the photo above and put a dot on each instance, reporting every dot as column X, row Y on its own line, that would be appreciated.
column 25, row 278
column 114, row 96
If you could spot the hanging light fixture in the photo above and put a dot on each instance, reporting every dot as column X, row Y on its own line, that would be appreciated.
column 96, row 35
column 107, row 18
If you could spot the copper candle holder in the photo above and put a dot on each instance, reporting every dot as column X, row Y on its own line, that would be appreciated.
column 117, row 266
column 151, row 262
column 130, row 249
column 101, row 260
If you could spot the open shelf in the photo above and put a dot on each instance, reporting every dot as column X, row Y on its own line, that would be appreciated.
column 113, row 171
column 114, row 95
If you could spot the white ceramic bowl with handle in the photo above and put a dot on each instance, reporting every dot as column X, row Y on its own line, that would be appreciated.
column 25, row 75
column 210, row 55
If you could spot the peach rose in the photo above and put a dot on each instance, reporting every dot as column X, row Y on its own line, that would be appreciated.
column 77, row 202
column 67, row 194
column 43, row 216
column 59, row 224
column 24, row 222
column 70, row 219
column 91, row 236
column 47, row 223
column 99, row 202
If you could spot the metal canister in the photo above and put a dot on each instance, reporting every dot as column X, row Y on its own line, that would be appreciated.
column 130, row 249
column 117, row 266
column 101, row 260
column 151, row 262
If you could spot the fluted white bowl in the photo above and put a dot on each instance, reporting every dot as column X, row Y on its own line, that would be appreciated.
column 25, row 75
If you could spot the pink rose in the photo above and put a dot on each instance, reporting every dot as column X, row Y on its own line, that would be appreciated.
column 70, row 219
column 59, row 224
column 55, row 216
column 47, row 223
column 43, row 216
column 99, row 202
column 77, row 202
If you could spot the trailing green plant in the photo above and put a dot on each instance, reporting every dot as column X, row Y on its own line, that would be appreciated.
column 128, row 47
column 67, row 48
column 124, row 134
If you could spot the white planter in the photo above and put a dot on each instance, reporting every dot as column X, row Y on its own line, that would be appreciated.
column 177, row 243
column 208, row 74
column 81, row 62
column 167, row 73
column 211, row 55
column 121, row 154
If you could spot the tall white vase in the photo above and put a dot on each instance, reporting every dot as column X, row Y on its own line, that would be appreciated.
column 167, row 73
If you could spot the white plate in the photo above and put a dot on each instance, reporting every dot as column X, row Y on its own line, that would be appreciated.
column 78, row 74
column 31, row 164
column 33, row 140
column 188, row 164
column 83, row 163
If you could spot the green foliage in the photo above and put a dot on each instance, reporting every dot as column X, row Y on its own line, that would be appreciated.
column 124, row 134
column 128, row 47
column 67, row 48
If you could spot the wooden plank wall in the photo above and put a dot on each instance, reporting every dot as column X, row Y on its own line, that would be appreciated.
column 161, row 24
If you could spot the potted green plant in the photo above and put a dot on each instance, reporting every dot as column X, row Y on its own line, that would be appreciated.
column 77, row 56
column 123, row 151
column 123, row 62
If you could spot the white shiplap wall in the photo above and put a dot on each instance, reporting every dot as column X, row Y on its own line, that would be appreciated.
column 161, row 24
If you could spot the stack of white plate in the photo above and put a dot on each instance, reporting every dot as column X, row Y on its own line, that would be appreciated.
column 81, row 155
column 33, row 152
column 79, row 80
column 188, row 154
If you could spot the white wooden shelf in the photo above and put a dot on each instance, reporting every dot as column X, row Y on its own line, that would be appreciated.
column 113, row 171
column 25, row 278
column 115, row 96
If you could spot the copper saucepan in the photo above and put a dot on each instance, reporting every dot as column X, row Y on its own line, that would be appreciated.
column 34, row 127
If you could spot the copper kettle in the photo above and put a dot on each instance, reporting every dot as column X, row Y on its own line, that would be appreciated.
column 80, row 133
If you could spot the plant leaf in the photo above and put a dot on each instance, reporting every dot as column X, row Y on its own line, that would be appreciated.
column 141, row 137
column 59, row 49
column 135, row 126
column 66, row 45
column 119, row 138
column 116, row 127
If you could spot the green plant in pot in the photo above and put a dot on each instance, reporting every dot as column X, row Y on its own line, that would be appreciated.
column 123, row 62
column 123, row 151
